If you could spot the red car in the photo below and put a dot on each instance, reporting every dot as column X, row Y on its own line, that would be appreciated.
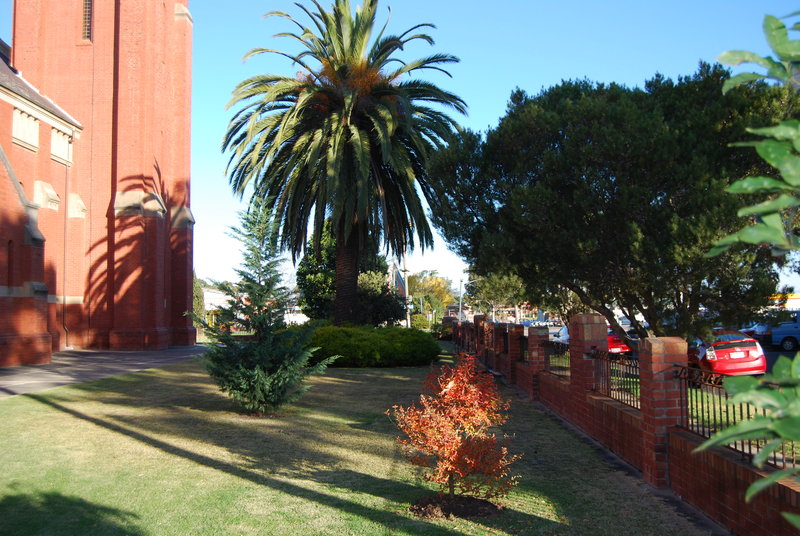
column 728, row 352
column 615, row 344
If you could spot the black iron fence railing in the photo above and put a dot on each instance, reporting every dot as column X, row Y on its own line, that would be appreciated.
column 617, row 377
column 705, row 410
column 556, row 358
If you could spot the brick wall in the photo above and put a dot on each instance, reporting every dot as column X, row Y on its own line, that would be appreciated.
column 648, row 438
column 715, row 481
column 118, row 279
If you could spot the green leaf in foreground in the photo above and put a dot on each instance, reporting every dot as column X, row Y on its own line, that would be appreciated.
column 784, row 367
column 739, row 79
column 752, row 185
column 737, row 57
column 794, row 519
column 756, row 428
column 778, row 204
column 766, row 451
column 779, row 155
column 760, row 485
column 788, row 428
column 738, row 384
column 761, row 233
column 785, row 130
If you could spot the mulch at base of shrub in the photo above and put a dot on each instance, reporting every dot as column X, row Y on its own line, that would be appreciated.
column 444, row 506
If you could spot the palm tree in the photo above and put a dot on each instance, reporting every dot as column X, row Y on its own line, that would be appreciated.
column 347, row 139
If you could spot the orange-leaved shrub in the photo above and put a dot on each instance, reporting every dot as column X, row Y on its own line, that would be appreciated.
column 448, row 431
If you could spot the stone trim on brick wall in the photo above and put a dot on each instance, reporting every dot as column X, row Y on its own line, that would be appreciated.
column 182, row 217
column 31, row 289
column 139, row 203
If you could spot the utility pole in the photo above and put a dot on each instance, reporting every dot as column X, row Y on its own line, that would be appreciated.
column 405, row 282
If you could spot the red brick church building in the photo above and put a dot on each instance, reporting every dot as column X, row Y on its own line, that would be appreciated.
column 95, row 225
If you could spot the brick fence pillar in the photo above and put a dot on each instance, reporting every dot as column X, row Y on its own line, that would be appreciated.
column 480, row 341
column 499, row 336
column 470, row 335
column 488, row 340
column 660, row 395
column 515, row 334
column 587, row 332
column 502, row 361
column 537, row 338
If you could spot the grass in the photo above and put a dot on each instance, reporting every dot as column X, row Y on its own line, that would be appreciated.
column 162, row 452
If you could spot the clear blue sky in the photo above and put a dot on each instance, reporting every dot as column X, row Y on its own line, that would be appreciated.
column 531, row 44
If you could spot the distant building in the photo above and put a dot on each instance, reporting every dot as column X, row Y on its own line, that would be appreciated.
column 95, row 224
column 396, row 280
column 790, row 301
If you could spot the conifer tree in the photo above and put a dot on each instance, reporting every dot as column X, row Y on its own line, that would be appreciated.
column 266, row 368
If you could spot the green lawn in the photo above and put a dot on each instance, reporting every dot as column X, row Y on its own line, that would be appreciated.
column 162, row 452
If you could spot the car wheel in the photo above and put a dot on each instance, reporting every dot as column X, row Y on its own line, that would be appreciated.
column 789, row 344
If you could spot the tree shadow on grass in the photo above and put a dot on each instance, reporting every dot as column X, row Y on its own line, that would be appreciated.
column 188, row 404
column 511, row 521
column 32, row 514
column 399, row 524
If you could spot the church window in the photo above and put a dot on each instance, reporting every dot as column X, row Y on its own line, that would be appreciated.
column 87, row 20
column 25, row 130
column 60, row 146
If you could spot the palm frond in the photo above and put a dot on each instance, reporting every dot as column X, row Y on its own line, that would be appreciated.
column 346, row 140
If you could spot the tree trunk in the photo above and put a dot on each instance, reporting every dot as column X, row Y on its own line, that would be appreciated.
column 347, row 257
column 451, row 484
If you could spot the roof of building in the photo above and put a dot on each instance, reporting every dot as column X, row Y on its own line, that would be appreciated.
column 11, row 80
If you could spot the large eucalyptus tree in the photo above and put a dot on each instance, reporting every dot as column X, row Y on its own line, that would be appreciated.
column 346, row 139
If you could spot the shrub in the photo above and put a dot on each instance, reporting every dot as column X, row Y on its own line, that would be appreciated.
column 265, row 368
column 448, row 432
column 365, row 346
column 420, row 321
column 265, row 373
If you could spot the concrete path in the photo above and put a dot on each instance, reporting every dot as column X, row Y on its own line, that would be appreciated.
column 77, row 366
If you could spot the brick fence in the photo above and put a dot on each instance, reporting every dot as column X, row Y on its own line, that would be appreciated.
column 649, row 438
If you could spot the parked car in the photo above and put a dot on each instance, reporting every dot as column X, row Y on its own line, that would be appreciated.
column 759, row 331
column 727, row 352
column 786, row 334
column 562, row 335
column 615, row 343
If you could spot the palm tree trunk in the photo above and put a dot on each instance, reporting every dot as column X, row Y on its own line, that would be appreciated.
column 347, row 257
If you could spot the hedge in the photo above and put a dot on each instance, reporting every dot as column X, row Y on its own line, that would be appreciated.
column 365, row 346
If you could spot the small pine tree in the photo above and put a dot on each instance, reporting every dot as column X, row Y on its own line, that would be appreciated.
column 198, row 301
column 267, row 368
column 448, row 433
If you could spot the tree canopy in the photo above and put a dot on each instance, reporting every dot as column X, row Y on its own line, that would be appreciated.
column 433, row 291
column 496, row 290
column 347, row 139
column 616, row 195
